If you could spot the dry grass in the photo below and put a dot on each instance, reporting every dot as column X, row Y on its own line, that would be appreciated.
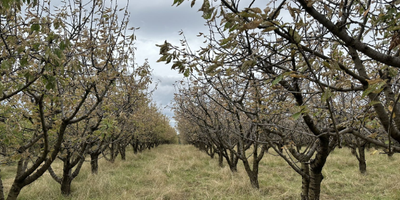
column 182, row 172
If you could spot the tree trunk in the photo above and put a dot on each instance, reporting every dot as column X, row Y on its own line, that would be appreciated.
column 14, row 191
column 254, row 180
column 220, row 159
column 66, row 184
column 362, row 165
column 149, row 145
column 252, row 174
column 353, row 151
column 114, row 151
column 233, row 161
column 122, row 152
column 210, row 151
column 316, row 166
column 315, row 185
column 141, row 147
column 94, row 162
column 135, row 149
column 135, row 145
column 305, row 167
column 1, row 188
column 233, row 167
column 3, row 149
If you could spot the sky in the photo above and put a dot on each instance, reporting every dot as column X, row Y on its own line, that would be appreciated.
column 158, row 21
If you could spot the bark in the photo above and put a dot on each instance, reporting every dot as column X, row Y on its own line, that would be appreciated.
column 254, row 180
column 252, row 174
column 66, row 184
column 135, row 145
column 315, row 184
column 1, row 188
column 141, row 147
column 54, row 175
column 113, row 154
column 15, row 190
column 135, row 149
column 150, row 145
column 305, row 167
column 68, row 175
column 231, row 158
column 316, row 166
column 114, row 151
column 122, row 152
column 361, row 159
column 220, row 159
column 353, row 151
column 3, row 149
column 94, row 162
column 233, row 162
column 233, row 168
column 210, row 150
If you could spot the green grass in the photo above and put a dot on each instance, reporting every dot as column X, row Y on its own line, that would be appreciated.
column 182, row 172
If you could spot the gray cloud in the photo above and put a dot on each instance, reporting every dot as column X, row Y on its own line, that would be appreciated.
column 164, row 94
column 159, row 21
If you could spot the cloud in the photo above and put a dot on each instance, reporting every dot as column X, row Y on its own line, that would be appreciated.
column 164, row 94
column 159, row 21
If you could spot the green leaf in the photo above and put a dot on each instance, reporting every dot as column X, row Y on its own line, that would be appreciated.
column 303, row 109
column 269, row 28
column 28, row 76
column 187, row 72
column 6, row 3
column 5, row 65
column 253, row 24
column 36, row 46
column 224, row 41
column 35, row 27
column 24, row 61
column 212, row 68
column 373, row 103
column 296, row 116
column 207, row 10
column 247, row 65
column 374, row 86
column 50, row 82
column 228, row 25
column 277, row 79
column 62, row 45
column 280, row 77
column 162, row 58
column 295, row 35
column 326, row 95
column 178, row 2
column 59, row 53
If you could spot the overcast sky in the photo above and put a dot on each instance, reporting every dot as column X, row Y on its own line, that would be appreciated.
column 159, row 21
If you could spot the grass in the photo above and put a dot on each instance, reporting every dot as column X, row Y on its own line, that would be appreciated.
column 182, row 172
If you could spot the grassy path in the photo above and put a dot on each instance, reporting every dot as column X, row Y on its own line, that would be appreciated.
column 180, row 172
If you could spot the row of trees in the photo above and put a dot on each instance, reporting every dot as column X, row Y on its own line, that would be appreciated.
column 301, row 77
column 70, row 89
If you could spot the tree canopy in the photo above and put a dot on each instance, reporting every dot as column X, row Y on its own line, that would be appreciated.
column 306, row 74
column 70, row 87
